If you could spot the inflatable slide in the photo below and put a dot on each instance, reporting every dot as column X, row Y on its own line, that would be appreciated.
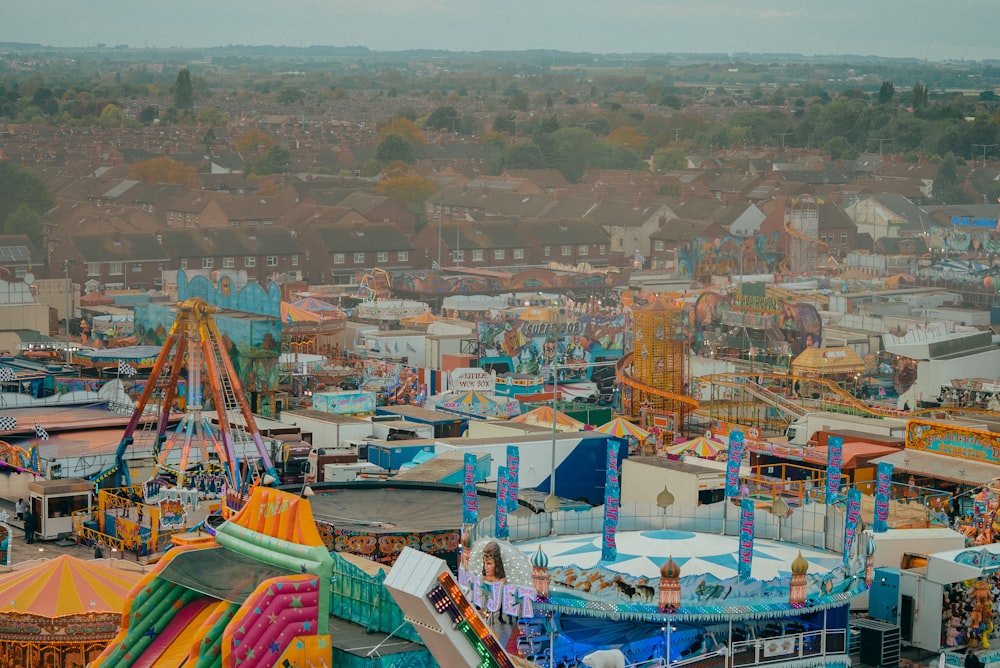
column 257, row 597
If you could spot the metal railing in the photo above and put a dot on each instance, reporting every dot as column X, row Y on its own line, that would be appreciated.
column 777, row 649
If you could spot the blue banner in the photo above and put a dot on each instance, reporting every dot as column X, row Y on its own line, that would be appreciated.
column 470, row 501
column 733, row 462
column 834, row 460
column 502, row 530
column 612, row 500
column 746, row 538
column 513, row 474
column 880, row 524
column 851, row 524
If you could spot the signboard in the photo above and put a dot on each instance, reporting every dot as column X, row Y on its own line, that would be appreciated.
column 468, row 379
column 976, row 444
column 969, row 221
column 344, row 403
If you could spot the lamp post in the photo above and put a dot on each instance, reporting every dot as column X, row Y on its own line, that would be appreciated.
column 66, row 265
column 552, row 501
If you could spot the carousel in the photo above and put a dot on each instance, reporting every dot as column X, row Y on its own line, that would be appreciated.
column 61, row 612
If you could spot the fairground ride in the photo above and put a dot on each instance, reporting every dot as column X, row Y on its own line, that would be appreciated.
column 759, row 399
column 196, row 351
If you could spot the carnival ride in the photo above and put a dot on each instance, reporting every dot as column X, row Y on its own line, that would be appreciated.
column 258, row 596
column 195, row 347
column 803, row 249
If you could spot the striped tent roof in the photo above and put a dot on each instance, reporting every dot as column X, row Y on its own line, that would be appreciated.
column 65, row 586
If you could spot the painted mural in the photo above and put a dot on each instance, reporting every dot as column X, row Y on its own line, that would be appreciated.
column 385, row 547
column 721, row 256
column 253, row 343
column 718, row 318
column 965, row 239
column 426, row 283
column 533, row 347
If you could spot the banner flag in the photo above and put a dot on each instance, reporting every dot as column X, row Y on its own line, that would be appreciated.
column 834, row 460
column 513, row 474
column 733, row 461
column 612, row 501
column 746, row 538
column 502, row 530
column 880, row 524
column 470, row 501
column 851, row 524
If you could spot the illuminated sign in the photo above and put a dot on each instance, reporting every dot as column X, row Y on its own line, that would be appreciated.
column 448, row 599
column 754, row 303
column 969, row 221
column 976, row 444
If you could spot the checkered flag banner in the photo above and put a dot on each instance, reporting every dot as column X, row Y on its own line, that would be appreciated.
column 435, row 265
column 7, row 423
column 125, row 369
column 40, row 432
column 7, row 375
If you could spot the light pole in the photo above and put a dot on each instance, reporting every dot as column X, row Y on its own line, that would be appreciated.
column 66, row 265
column 552, row 501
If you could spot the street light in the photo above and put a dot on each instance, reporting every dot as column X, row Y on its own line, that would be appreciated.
column 552, row 501
column 66, row 265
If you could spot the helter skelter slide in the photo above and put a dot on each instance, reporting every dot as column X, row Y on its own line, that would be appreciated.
column 256, row 597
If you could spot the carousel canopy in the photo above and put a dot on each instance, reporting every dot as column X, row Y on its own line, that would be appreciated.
column 706, row 448
column 66, row 586
column 622, row 428
column 542, row 416
column 292, row 314
column 318, row 306
column 828, row 361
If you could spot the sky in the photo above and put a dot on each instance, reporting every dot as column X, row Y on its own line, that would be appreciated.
column 933, row 30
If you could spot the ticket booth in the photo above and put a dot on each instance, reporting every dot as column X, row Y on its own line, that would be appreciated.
column 54, row 501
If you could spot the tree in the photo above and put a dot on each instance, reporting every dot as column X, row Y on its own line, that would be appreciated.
column 253, row 139
column 395, row 146
column 183, row 91
column 290, row 95
column 524, row 155
column 669, row 159
column 26, row 221
column 886, row 93
column 164, row 170
column 920, row 97
column 947, row 188
column 629, row 138
column 444, row 118
column 21, row 187
column 111, row 116
column 405, row 127
column 410, row 191
column 273, row 161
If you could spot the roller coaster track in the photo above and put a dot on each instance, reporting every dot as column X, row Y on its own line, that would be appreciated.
column 625, row 378
column 843, row 397
column 765, row 395
column 795, row 234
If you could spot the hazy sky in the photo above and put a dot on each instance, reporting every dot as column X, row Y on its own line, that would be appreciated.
column 930, row 29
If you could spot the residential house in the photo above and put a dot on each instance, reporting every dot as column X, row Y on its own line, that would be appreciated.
column 351, row 249
column 261, row 252
column 567, row 241
column 115, row 261
column 490, row 243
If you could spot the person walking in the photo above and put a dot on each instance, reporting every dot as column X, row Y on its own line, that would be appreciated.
column 30, row 524
column 19, row 508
